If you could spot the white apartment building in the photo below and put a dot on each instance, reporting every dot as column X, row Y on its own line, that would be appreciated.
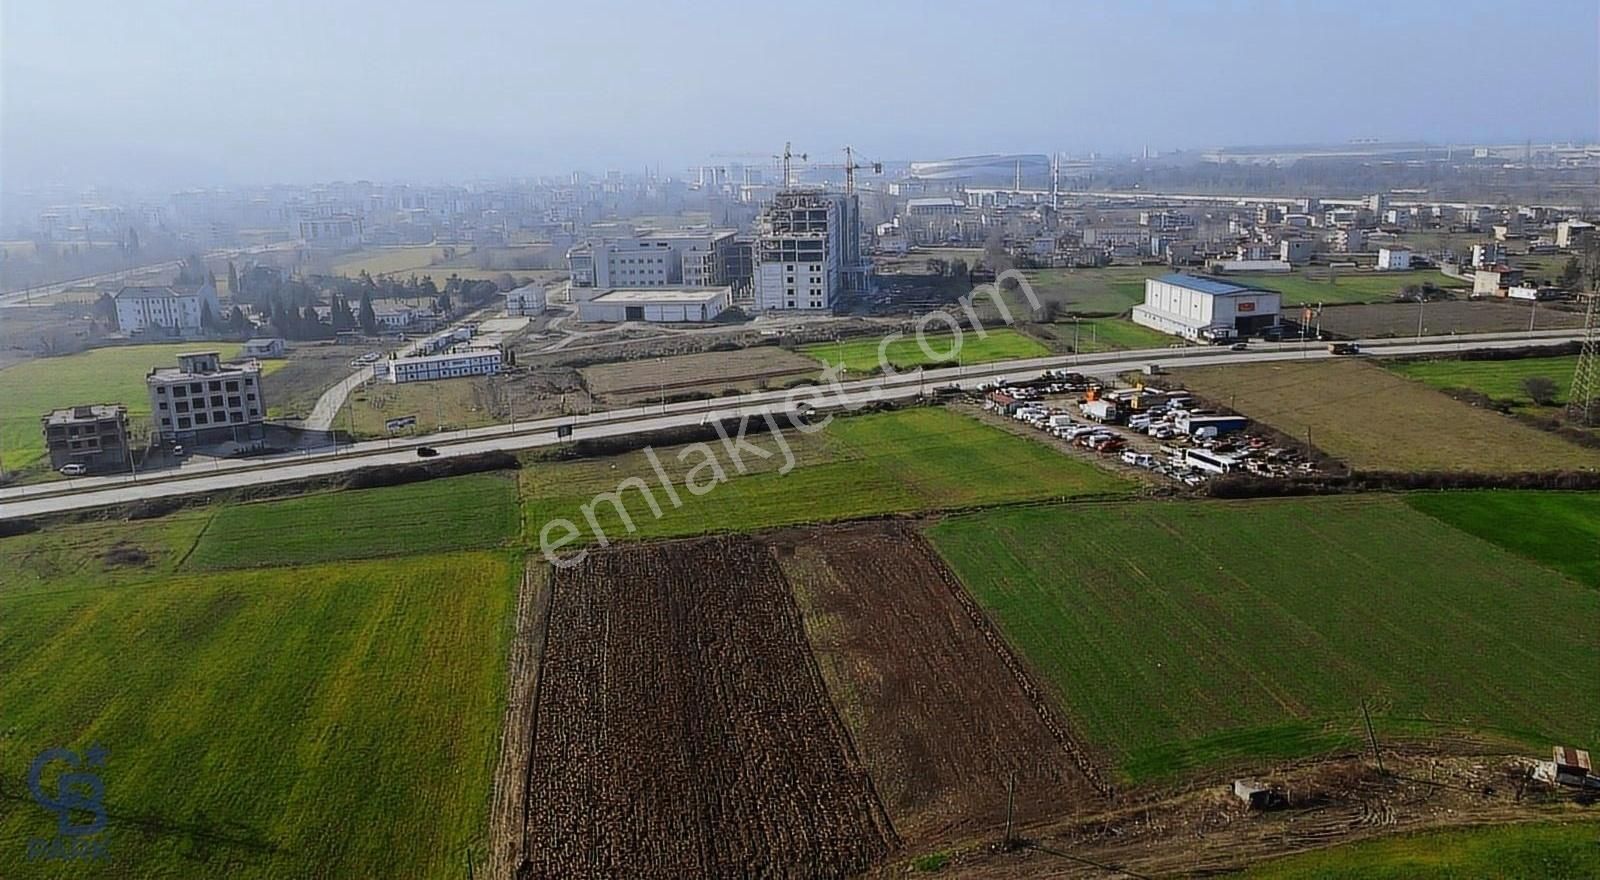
column 165, row 310
column 451, row 365
column 203, row 400
column 808, row 251
column 1394, row 259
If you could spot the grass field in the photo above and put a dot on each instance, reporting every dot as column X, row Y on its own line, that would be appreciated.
column 97, row 553
column 337, row 720
column 896, row 462
column 474, row 511
column 1348, row 286
column 1373, row 419
column 106, row 375
column 1558, row 529
column 1182, row 636
column 1111, row 290
column 861, row 357
column 463, row 402
column 1534, row 851
column 1501, row 380
column 394, row 260
column 710, row 372
column 1110, row 334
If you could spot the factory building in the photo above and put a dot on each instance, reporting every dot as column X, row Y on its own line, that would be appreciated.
column 1205, row 308
column 678, row 305
column 658, row 259
column 529, row 299
column 808, row 251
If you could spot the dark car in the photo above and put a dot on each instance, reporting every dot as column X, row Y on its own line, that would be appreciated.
column 426, row 452
column 1239, row 346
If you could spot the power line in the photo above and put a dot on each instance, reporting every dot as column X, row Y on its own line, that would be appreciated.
column 1583, row 401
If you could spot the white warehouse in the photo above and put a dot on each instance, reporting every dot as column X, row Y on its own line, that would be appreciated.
column 671, row 305
column 1206, row 308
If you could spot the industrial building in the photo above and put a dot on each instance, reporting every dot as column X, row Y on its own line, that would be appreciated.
column 203, row 400
column 95, row 437
column 529, row 299
column 451, row 365
column 808, row 251
column 670, row 305
column 167, row 310
column 691, row 258
column 1205, row 308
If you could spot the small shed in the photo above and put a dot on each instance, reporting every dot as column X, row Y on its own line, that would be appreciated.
column 1258, row 794
column 1572, row 765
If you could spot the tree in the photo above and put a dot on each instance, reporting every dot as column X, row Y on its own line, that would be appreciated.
column 105, row 309
column 443, row 303
column 192, row 272
column 1542, row 389
column 208, row 321
column 958, row 268
column 367, row 316
column 233, row 279
column 1571, row 274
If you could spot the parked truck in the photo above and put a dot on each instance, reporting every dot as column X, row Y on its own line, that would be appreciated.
column 1099, row 410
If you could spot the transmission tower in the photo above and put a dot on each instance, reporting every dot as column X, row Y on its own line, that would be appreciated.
column 1583, row 403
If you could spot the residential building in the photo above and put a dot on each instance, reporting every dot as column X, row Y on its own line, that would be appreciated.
column 1495, row 282
column 1347, row 241
column 265, row 348
column 1166, row 220
column 450, row 365
column 672, row 305
column 332, row 231
column 808, row 251
column 1394, row 259
column 203, row 400
column 1570, row 233
column 1206, row 308
column 94, row 436
column 1488, row 255
column 528, row 299
column 933, row 206
column 1296, row 251
column 166, row 310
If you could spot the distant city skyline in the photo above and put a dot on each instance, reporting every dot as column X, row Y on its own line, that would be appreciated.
column 175, row 94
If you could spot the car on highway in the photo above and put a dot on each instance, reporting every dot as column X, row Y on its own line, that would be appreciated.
column 73, row 470
column 426, row 452
column 1239, row 346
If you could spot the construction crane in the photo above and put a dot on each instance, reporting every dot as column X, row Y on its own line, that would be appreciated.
column 787, row 158
column 851, row 166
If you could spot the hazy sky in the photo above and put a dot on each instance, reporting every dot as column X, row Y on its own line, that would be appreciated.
column 196, row 92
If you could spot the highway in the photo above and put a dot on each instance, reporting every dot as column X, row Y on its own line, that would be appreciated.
column 213, row 475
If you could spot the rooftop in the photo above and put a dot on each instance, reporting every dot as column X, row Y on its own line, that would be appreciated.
column 662, row 295
column 1210, row 285
column 93, row 412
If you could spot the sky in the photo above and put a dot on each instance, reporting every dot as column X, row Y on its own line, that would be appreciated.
column 165, row 93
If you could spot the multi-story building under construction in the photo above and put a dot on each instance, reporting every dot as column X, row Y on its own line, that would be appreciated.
column 808, row 251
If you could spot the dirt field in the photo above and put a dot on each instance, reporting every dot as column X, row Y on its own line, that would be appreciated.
column 942, row 718
column 1452, row 316
column 710, row 372
column 1372, row 419
column 682, row 727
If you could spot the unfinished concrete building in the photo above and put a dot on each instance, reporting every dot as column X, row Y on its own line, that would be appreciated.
column 808, row 251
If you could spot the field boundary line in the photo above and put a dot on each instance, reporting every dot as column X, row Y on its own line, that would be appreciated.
column 195, row 544
column 509, row 794
column 1009, row 658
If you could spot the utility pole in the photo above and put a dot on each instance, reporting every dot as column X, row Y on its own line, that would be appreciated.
column 1583, row 401
column 1011, row 804
column 1422, row 300
column 1373, row 738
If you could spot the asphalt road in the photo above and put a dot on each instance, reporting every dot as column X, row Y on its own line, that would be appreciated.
column 198, row 477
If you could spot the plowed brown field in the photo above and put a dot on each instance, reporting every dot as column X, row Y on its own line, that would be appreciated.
column 943, row 714
column 682, row 727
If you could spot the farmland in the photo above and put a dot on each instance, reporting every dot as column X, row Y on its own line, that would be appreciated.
column 861, row 356
column 709, row 372
column 1108, row 334
column 394, row 260
column 474, row 511
column 1500, row 380
column 1348, row 286
column 106, row 375
column 1111, row 290
column 896, row 462
column 1438, row 318
column 934, row 760
column 1558, row 529
column 1530, row 851
column 1374, row 420
column 708, row 682
column 335, row 720
column 1184, row 636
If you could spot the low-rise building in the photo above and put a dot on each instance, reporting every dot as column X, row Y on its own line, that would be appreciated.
column 1206, row 308
column 1495, row 282
column 528, row 299
column 1296, row 251
column 1487, row 255
column 1394, row 259
column 166, row 310
column 265, row 348
column 450, row 365
column 203, row 400
column 94, row 436
column 666, row 305
column 1570, row 233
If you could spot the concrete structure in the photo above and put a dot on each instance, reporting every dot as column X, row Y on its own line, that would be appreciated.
column 1570, row 233
column 808, row 251
column 1495, row 282
column 332, row 231
column 450, row 365
column 693, row 258
column 166, row 310
column 1534, row 294
column 265, row 348
column 1487, row 255
column 674, row 305
column 1347, row 241
column 1394, row 259
column 95, row 437
column 1204, row 308
column 1296, row 251
column 933, row 206
column 528, row 299
column 205, row 401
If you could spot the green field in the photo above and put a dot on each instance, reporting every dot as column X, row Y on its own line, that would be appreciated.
column 97, row 553
column 105, row 375
column 1348, row 286
column 394, row 260
column 1559, row 529
column 1110, row 290
column 895, row 462
column 337, row 720
column 1501, row 380
column 861, row 356
column 1110, row 334
column 1534, row 851
column 474, row 511
column 1182, row 636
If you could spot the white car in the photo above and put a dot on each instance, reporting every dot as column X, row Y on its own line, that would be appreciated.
column 73, row 470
